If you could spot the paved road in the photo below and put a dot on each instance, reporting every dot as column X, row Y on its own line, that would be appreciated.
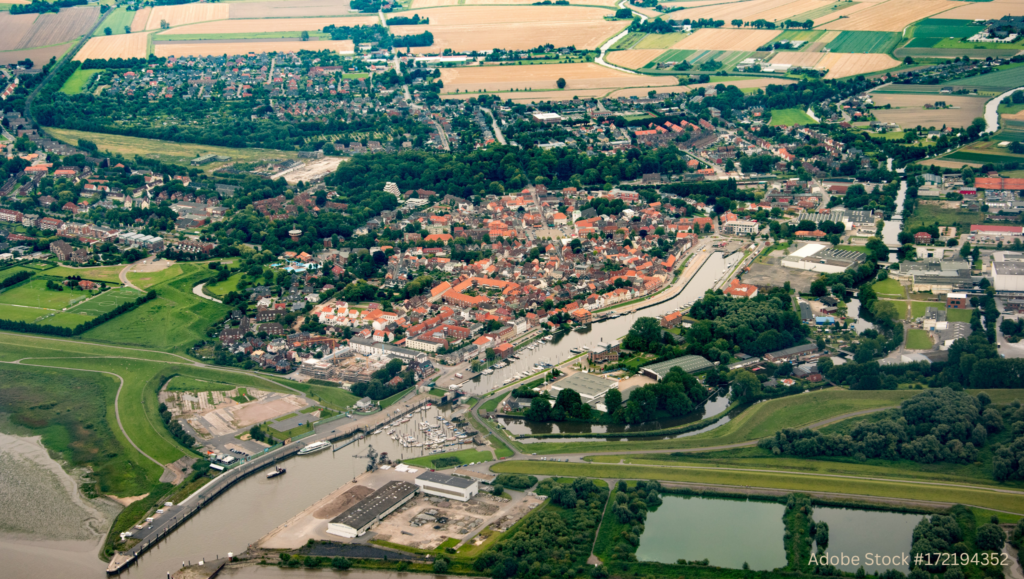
column 198, row 290
column 123, row 276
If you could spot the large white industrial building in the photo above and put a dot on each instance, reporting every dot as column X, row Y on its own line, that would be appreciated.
column 1008, row 272
column 819, row 258
column 447, row 486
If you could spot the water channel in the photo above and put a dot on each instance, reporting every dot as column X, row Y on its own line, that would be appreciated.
column 893, row 226
column 255, row 506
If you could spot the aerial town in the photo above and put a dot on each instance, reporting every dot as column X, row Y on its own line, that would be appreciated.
column 557, row 290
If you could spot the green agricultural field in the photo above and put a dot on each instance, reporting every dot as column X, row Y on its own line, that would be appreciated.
column 105, row 273
column 674, row 56
column 74, row 414
column 791, row 117
column 805, row 35
column 116, row 21
column 919, row 340
column 223, row 288
column 940, row 28
column 628, row 41
column 755, row 422
column 864, row 42
column 927, row 214
column 926, row 491
column 973, row 157
column 33, row 293
column 464, row 456
column 106, row 302
column 167, row 151
column 77, row 81
column 182, row 317
column 1006, row 78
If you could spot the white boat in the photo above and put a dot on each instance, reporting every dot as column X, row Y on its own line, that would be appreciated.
column 377, row 431
column 509, row 381
column 315, row 447
column 548, row 338
column 276, row 472
column 487, row 372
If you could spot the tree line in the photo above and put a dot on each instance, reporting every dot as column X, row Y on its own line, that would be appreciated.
column 42, row 6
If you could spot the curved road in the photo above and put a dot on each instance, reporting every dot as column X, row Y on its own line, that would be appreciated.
column 123, row 276
column 198, row 290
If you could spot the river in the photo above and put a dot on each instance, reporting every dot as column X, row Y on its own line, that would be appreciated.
column 893, row 226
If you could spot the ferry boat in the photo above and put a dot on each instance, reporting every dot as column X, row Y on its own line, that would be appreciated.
column 315, row 447
column 276, row 472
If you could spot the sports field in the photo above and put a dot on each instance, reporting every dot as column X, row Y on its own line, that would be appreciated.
column 34, row 294
column 919, row 340
column 106, row 302
column 790, row 118
column 864, row 42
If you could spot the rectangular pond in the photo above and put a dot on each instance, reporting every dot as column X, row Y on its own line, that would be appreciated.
column 854, row 532
column 728, row 533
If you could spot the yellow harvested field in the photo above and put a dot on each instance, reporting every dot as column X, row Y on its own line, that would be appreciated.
column 985, row 10
column 514, row 36
column 539, row 77
column 245, row 47
column 515, row 14
column 569, row 95
column 844, row 13
column 608, row 3
column 892, row 16
column 140, row 20
column 726, row 39
column 840, row 65
column 433, row 3
column 802, row 59
column 120, row 46
column 185, row 14
column 636, row 58
column 271, row 25
column 751, row 9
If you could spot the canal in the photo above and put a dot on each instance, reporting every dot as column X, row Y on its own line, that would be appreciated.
column 255, row 506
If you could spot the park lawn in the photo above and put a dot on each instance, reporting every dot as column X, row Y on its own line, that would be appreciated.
column 104, row 273
column 438, row 392
column 78, row 79
column 146, row 280
column 501, row 450
column 888, row 287
column 916, row 490
column 492, row 405
column 919, row 340
column 181, row 316
column 464, row 456
column 917, row 308
column 73, row 412
column 901, row 307
column 926, row 214
column 394, row 398
column 953, row 315
column 755, row 422
column 14, row 345
column 168, row 151
column 791, row 117
column 223, row 288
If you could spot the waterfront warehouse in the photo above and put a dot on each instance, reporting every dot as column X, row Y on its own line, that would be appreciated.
column 358, row 519
column 447, row 486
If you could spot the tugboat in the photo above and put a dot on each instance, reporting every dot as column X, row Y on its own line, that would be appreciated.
column 276, row 472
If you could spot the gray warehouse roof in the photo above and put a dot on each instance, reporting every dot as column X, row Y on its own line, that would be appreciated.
column 689, row 364
column 444, row 479
column 379, row 501
column 588, row 385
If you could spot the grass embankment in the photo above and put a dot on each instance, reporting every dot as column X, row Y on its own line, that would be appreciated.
column 394, row 398
column 758, row 421
column 918, row 491
column 173, row 322
column 74, row 414
column 131, row 515
column 464, row 456
column 167, row 151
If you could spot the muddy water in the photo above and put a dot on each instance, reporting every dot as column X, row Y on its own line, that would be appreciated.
column 47, row 529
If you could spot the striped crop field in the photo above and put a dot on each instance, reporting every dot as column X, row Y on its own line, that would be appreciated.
column 864, row 42
column 675, row 56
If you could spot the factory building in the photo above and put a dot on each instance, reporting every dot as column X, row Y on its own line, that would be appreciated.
column 817, row 257
column 447, row 486
column 358, row 518
column 1008, row 272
